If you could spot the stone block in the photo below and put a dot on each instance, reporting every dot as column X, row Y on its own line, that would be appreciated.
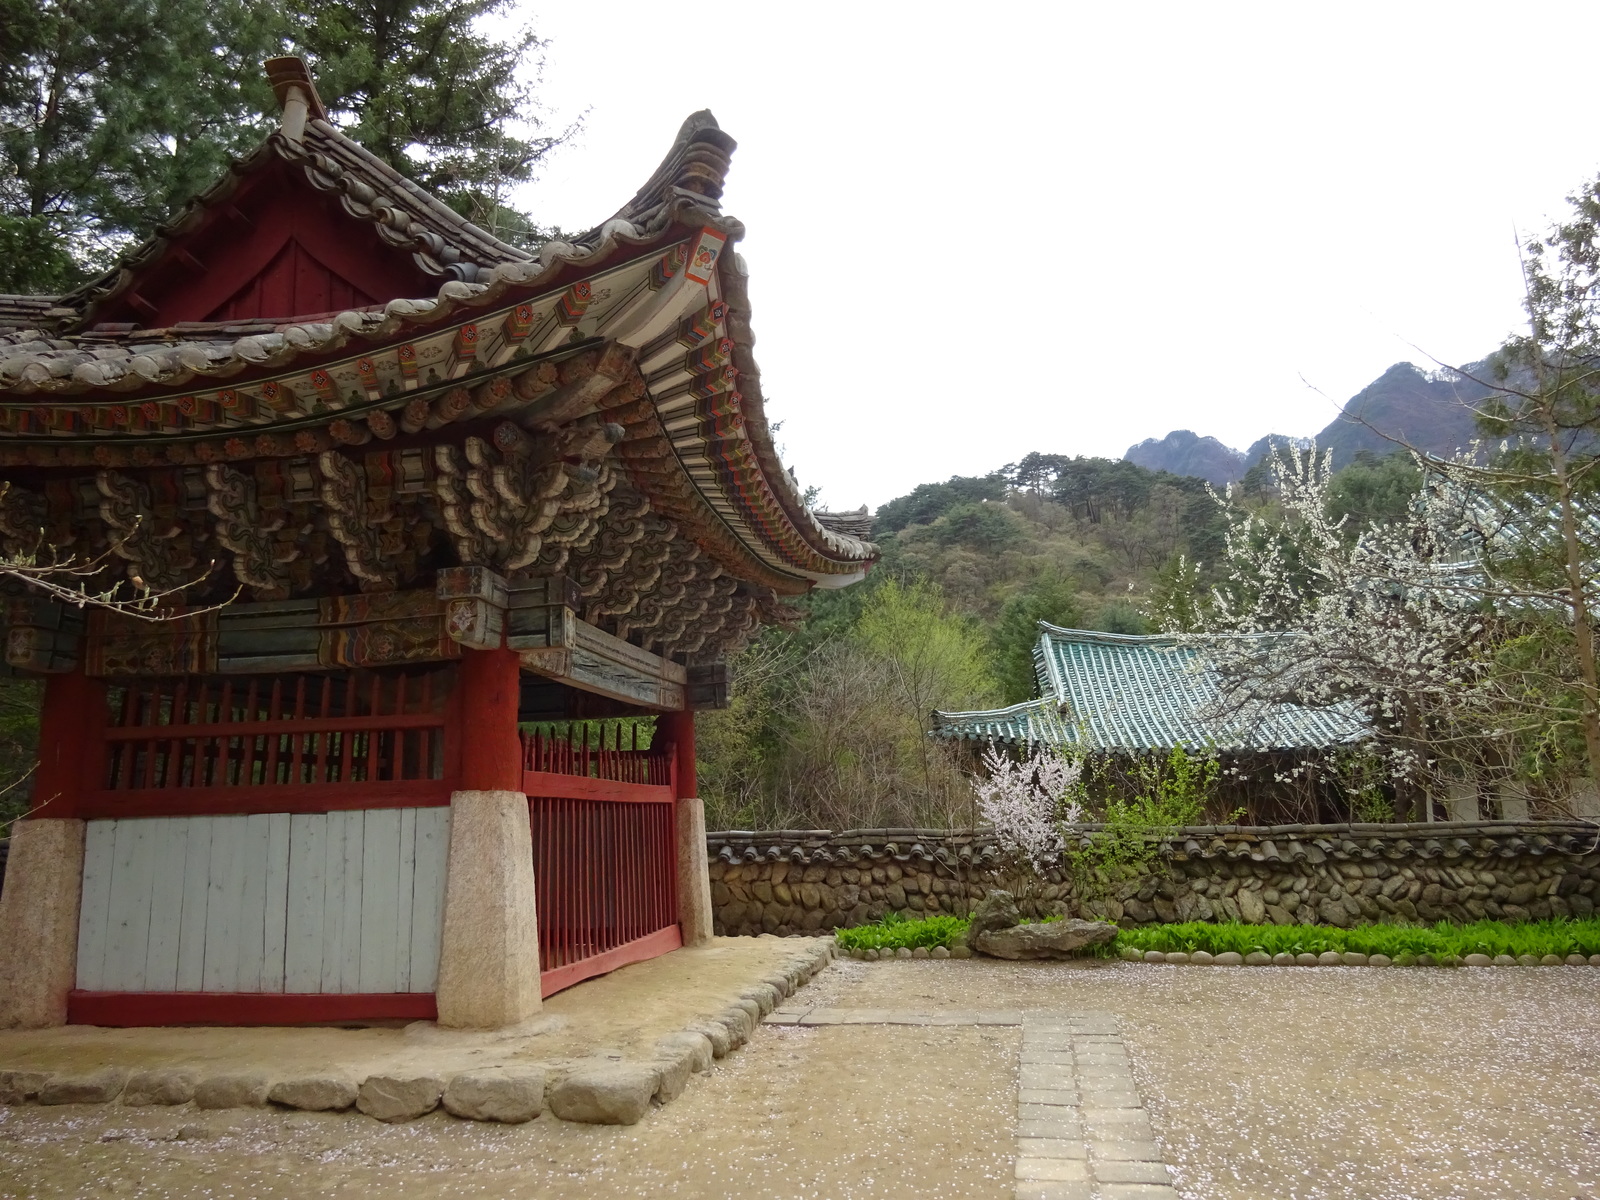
column 314, row 1093
column 1054, row 1169
column 1051, row 1148
column 510, row 1096
column 399, row 1097
column 765, row 997
column 1125, row 1149
column 232, row 1091
column 168, row 1085
column 675, row 1067
column 18, row 1087
column 697, row 1045
column 607, row 1094
column 1131, row 1172
column 94, row 1087
column 717, row 1034
column 1039, row 1189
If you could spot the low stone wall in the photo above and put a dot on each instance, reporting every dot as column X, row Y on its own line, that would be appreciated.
column 803, row 881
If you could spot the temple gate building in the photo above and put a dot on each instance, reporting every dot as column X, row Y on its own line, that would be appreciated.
column 419, row 488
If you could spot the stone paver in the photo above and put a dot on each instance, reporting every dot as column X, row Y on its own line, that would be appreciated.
column 1082, row 1130
column 887, row 1016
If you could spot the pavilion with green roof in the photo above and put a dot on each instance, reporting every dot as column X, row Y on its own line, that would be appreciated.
column 1117, row 696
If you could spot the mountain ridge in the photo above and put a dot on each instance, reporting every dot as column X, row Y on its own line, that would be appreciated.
column 1429, row 410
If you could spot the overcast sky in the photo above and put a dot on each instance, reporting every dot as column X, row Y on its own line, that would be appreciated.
column 978, row 230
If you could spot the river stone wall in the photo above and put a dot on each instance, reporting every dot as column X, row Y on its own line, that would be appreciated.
column 803, row 881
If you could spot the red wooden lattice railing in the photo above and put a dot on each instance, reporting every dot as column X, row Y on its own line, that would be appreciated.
column 227, row 745
column 588, row 755
column 606, row 880
column 604, row 852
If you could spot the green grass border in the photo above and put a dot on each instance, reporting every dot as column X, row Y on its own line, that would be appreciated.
column 1444, row 942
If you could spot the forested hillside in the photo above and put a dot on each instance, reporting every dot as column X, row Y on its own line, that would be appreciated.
column 828, row 722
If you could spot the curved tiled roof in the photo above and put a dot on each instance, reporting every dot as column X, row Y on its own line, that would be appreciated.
column 1116, row 692
column 77, row 399
column 26, row 312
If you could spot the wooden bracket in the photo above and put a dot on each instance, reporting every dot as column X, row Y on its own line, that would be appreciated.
column 475, row 606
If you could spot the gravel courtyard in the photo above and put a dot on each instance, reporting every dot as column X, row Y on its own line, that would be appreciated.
column 1323, row 1082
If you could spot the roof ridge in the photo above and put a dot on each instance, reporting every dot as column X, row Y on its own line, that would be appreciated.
column 1061, row 633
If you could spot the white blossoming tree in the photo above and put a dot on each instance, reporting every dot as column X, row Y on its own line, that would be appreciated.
column 1390, row 624
column 1028, row 800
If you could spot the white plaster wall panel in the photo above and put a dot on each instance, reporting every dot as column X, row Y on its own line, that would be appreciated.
column 380, row 870
column 196, row 885
column 427, row 898
column 275, row 934
column 95, row 909
column 166, row 904
column 335, row 902
column 302, row 952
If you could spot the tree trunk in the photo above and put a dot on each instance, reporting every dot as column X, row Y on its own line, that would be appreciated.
column 1582, row 619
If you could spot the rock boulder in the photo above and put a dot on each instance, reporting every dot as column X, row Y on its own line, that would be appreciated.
column 998, row 910
column 1054, row 939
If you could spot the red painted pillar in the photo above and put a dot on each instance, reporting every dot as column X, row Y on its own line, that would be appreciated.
column 678, row 728
column 71, row 741
column 491, row 753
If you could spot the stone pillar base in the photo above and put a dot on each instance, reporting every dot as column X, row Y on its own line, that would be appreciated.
column 694, row 883
column 39, row 922
column 489, row 954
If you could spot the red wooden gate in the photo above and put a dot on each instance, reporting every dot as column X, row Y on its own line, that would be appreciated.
column 604, row 855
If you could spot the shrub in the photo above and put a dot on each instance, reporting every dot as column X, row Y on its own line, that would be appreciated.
column 1443, row 941
column 895, row 932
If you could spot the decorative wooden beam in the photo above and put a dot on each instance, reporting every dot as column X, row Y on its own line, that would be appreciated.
column 581, row 656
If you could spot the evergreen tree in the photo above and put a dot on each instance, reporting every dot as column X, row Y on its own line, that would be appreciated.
column 1052, row 597
column 421, row 85
column 112, row 113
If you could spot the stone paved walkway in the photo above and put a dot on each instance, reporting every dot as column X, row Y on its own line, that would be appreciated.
column 1082, row 1131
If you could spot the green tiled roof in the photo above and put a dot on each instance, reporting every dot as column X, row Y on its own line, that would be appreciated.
column 1107, row 691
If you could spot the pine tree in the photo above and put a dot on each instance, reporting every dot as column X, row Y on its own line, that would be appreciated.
column 421, row 85
column 112, row 113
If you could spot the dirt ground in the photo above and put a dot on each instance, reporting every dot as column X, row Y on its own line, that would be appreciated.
column 1269, row 1083
column 817, row 1113
column 1330, row 1083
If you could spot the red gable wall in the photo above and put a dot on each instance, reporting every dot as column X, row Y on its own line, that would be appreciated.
column 276, row 249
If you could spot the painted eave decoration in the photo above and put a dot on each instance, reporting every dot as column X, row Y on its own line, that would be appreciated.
column 577, row 410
